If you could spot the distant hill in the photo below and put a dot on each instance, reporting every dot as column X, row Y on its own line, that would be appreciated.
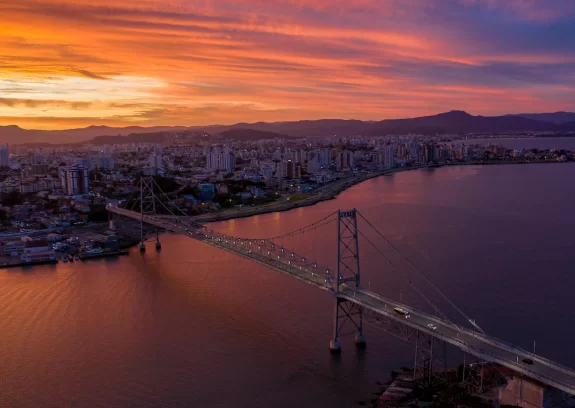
column 14, row 134
column 311, row 128
column 449, row 122
column 460, row 122
column 248, row 135
column 559, row 118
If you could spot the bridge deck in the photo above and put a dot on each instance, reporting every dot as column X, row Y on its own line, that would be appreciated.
column 281, row 260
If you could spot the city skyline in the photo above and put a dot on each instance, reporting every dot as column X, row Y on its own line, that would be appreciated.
column 180, row 63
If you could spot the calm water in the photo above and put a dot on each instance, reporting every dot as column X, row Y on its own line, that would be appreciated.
column 567, row 143
column 196, row 327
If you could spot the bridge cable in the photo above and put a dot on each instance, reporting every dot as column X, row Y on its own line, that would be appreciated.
column 315, row 225
column 405, row 276
column 422, row 274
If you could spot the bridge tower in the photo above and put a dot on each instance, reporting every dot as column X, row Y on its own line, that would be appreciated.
column 348, row 272
column 147, row 207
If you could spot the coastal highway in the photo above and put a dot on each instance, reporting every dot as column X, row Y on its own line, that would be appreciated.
column 479, row 345
column 326, row 192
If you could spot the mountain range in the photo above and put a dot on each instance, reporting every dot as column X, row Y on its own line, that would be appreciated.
column 449, row 122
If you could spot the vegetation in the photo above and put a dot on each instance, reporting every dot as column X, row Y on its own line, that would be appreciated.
column 297, row 197
column 11, row 199
column 167, row 185
column 98, row 213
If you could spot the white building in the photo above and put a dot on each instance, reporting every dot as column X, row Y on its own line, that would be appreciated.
column 218, row 160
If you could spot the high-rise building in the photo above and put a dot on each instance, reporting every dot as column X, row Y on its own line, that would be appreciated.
column 325, row 157
column 214, row 159
column 105, row 162
column 314, row 161
column 389, row 156
column 344, row 160
column 156, row 163
column 74, row 180
column 290, row 169
column 37, row 159
column 218, row 160
column 4, row 156
column 39, row 169
column 229, row 161
column 84, row 162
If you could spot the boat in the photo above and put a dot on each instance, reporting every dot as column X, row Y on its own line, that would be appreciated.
column 94, row 251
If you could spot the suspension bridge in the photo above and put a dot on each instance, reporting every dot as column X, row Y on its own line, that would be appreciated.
column 354, row 306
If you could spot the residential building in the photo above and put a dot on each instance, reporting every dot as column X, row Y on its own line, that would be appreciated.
column 105, row 162
column 344, row 160
column 156, row 163
column 4, row 156
column 74, row 180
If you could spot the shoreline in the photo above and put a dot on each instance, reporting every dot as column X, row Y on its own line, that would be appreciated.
column 338, row 187
column 334, row 189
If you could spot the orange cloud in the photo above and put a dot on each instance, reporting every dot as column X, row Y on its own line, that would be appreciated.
column 177, row 62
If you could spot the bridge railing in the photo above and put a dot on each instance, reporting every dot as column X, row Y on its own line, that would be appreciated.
column 527, row 370
column 471, row 349
column 536, row 357
column 282, row 259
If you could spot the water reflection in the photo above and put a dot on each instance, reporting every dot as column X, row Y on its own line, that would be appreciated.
column 194, row 326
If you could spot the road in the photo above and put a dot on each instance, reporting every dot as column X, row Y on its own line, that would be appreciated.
column 272, row 256
column 326, row 192
column 482, row 346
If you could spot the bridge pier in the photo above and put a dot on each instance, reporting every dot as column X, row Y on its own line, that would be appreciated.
column 348, row 271
column 359, row 340
column 346, row 312
column 142, row 247
column 158, row 244
column 334, row 346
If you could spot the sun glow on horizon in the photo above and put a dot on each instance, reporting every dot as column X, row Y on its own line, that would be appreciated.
column 225, row 61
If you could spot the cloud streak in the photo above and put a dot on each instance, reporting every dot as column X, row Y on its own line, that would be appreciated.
column 178, row 62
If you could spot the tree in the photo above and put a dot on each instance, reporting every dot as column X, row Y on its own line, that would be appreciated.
column 189, row 190
column 98, row 213
column 95, row 175
column 167, row 185
column 11, row 199
column 226, row 200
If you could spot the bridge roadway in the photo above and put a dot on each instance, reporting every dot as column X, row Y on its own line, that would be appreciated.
column 270, row 255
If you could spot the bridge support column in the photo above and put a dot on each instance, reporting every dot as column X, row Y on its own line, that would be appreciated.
column 346, row 312
column 142, row 247
column 158, row 244
column 359, row 339
column 348, row 270
column 479, row 375
column 429, row 351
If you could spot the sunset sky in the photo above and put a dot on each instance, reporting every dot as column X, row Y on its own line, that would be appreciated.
column 74, row 63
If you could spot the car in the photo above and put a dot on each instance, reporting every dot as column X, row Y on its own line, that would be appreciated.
column 527, row 361
column 401, row 312
column 432, row 326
